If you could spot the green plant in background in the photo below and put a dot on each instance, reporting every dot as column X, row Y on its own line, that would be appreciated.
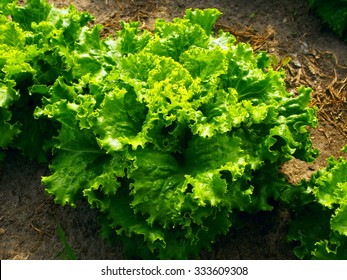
column 319, row 225
column 33, row 42
column 332, row 13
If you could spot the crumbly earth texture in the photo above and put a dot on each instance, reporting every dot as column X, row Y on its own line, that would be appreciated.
column 29, row 218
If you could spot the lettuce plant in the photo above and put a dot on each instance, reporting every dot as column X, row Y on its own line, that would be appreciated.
column 170, row 134
column 319, row 225
column 333, row 14
column 35, row 40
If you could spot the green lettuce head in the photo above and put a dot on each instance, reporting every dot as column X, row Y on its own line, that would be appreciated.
column 171, row 134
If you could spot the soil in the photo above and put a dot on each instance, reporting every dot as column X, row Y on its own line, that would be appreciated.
column 29, row 218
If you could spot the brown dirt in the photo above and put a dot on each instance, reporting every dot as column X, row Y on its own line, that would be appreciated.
column 29, row 218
